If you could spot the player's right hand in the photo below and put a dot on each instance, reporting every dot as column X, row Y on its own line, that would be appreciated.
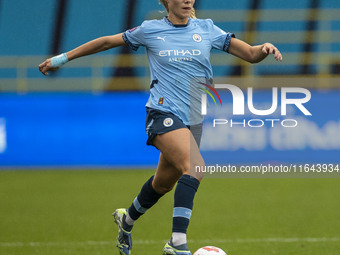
column 46, row 66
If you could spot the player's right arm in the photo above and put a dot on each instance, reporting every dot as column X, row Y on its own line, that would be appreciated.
column 89, row 48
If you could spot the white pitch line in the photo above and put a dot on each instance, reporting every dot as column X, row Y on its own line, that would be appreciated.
column 204, row 241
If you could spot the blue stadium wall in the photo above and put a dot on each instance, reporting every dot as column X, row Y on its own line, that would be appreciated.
column 36, row 20
column 35, row 28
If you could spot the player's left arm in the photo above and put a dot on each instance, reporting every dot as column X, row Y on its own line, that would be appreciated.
column 253, row 54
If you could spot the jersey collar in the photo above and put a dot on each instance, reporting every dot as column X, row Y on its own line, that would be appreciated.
column 173, row 25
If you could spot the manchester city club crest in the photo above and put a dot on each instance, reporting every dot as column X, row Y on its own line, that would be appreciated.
column 168, row 122
column 197, row 38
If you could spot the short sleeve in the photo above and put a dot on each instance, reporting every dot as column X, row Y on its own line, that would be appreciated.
column 134, row 37
column 220, row 39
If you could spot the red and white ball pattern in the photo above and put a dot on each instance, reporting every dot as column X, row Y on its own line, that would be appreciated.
column 209, row 250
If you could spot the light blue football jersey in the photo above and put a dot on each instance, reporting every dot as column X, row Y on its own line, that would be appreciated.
column 179, row 60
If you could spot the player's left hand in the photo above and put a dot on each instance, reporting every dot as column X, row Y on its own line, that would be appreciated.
column 269, row 48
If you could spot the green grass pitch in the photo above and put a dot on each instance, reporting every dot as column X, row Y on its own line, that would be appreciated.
column 69, row 212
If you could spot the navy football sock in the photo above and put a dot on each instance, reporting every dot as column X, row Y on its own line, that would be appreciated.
column 184, row 201
column 146, row 198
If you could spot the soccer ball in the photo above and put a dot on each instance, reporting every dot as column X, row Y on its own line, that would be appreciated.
column 209, row 250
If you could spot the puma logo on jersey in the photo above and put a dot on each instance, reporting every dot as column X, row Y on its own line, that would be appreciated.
column 161, row 38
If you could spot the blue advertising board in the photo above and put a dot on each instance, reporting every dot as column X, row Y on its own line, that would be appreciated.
column 108, row 130
column 74, row 130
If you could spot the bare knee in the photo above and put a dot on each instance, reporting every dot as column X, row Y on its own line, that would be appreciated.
column 190, row 166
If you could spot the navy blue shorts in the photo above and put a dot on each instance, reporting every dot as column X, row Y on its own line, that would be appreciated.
column 159, row 122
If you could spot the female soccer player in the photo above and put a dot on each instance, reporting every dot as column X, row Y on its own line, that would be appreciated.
column 178, row 49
